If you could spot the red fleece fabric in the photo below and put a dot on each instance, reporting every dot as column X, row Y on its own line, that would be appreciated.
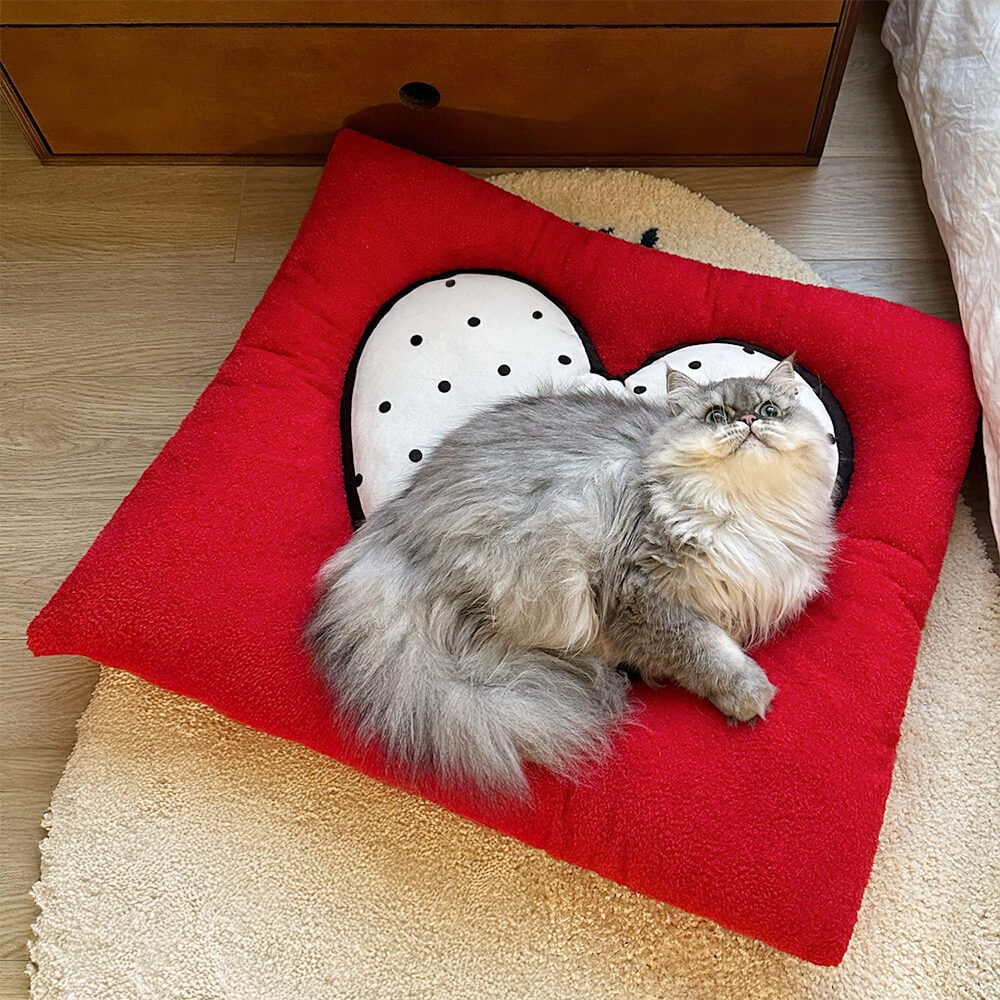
column 202, row 580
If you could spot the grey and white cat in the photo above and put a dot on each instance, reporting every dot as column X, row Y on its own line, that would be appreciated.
column 475, row 621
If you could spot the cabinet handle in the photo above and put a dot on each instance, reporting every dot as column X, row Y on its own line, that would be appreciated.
column 419, row 96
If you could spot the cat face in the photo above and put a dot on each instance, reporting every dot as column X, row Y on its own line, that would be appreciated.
column 739, row 423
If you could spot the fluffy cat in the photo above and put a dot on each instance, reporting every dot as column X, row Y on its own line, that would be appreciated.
column 475, row 621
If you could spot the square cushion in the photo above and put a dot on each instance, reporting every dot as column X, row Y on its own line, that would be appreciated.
column 202, row 580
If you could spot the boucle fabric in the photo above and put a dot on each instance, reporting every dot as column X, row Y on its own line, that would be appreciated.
column 204, row 578
column 191, row 857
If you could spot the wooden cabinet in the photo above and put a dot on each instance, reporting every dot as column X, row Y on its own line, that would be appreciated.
column 477, row 82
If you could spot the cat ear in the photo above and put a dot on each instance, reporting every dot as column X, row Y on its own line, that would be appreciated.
column 679, row 389
column 782, row 375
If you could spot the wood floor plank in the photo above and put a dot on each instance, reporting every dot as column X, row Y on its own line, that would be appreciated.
column 275, row 200
column 41, row 540
column 28, row 781
column 13, row 980
column 920, row 284
column 131, row 318
column 43, row 698
column 120, row 212
column 862, row 126
column 86, row 437
column 13, row 144
column 17, row 914
column 847, row 208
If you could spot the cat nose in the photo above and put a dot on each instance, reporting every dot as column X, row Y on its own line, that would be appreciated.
column 748, row 418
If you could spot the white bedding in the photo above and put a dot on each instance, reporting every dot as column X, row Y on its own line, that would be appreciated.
column 947, row 59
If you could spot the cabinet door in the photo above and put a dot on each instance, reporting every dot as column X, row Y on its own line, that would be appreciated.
column 607, row 94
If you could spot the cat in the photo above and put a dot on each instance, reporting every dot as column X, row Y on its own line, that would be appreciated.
column 475, row 622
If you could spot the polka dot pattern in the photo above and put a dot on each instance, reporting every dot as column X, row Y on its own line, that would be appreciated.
column 404, row 401
column 439, row 352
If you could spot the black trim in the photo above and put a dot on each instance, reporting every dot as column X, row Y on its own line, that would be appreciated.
column 841, row 427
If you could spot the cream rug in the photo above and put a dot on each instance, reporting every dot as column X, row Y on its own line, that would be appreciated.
column 191, row 858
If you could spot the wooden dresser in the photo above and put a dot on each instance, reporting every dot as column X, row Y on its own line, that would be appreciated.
column 474, row 82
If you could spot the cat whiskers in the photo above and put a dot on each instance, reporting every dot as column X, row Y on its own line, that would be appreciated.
column 732, row 433
column 775, row 436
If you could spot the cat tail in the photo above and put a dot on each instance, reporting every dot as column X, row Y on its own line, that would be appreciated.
column 440, row 693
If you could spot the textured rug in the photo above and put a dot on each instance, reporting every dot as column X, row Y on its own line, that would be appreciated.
column 189, row 857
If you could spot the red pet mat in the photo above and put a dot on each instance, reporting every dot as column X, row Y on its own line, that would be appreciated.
column 204, row 577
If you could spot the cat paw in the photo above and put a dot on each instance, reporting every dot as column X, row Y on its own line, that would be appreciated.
column 747, row 697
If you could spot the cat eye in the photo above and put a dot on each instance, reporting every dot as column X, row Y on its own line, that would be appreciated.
column 768, row 410
column 716, row 415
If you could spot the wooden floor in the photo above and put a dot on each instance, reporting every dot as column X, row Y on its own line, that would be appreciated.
column 124, row 287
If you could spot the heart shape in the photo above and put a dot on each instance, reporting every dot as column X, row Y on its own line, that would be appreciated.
column 455, row 343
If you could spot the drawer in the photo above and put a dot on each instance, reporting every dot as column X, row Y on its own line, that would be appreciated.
column 581, row 93
column 591, row 12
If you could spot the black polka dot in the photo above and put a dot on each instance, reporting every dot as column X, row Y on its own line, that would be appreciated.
column 358, row 479
column 833, row 440
column 385, row 406
column 749, row 350
column 639, row 390
column 565, row 359
column 649, row 237
column 450, row 283
column 536, row 315
column 416, row 340
column 444, row 386
column 503, row 370
column 416, row 455
column 694, row 364
column 473, row 321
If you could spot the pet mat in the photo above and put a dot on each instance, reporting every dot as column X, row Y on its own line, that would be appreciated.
column 203, row 578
